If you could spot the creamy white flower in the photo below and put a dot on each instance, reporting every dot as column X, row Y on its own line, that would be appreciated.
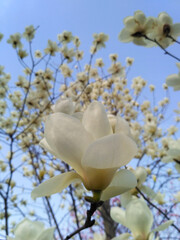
column 93, row 147
column 138, row 218
column 52, row 48
column 135, row 27
column 173, row 80
column 65, row 37
column 164, row 29
column 30, row 230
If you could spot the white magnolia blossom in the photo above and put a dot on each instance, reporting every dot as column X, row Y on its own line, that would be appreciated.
column 94, row 146
column 173, row 80
column 135, row 27
column 29, row 230
column 173, row 153
column 138, row 219
column 163, row 29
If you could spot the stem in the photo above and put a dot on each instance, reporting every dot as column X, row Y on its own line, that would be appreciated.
column 88, row 223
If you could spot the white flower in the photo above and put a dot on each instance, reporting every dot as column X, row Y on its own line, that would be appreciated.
column 99, row 40
column 163, row 29
column 173, row 80
column 29, row 33
column 135, row 27
column 92, row 148
column 173, row 155
column 117, row 70
column 15, row 40
column 52, row 48
column 138, row 218
column 65, row 37
column 32, row 231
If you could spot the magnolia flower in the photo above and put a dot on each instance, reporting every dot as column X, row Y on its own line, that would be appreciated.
column 164, row 29
column 32, row 231
column 65, row 37
column 15, row 40
column 52, row 48
column 135, row 28
column 99, row 40
column 94, row 146
column 141, row 174
column 29, row 33
column 173, row 155
column 138, row 218
column 173, row 80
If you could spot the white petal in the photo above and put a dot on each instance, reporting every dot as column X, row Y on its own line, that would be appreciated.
column 55, row 184
column 130, row 23
column 141, row 174
column 174, row 152
column 173, row 80
column 139, row 218
column 119, row 125
column 164, row 18
column 97, row 179
column 118, row 215
column 126, row 198
column 148, row 191
column 43, row 143
column 124, row 236
column 125, row 36
column 67, row 137
column 123, row 181
column 163, row 226
column 47, row 234
column 140, row 17
column 64, row 106
column 28, row 229
column 175, row 30
column 95, row 120
column 112, row 151
column 140, row 42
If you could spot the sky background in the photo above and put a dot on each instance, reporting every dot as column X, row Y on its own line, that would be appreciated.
column 84, row 18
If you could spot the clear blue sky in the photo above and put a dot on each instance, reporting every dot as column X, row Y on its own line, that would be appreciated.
column 83, row 18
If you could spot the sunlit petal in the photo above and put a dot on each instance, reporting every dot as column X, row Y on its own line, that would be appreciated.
column 112, row 151
column 95, row 120
column 123, row 181
column 55, row 184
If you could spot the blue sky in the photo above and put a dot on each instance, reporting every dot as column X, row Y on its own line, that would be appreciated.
column 83, row 18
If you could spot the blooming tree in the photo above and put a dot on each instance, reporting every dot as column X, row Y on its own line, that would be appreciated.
column 68, row 130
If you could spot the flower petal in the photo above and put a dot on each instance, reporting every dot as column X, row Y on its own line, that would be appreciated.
column 47, row 234
column 67, row 137
column 176, row 30
column 29, row 229
column 118, row 215
column 173, row 80
column 139, row 218
column 140, row 17
column 163, row 226
column 64, row 106
column 55, row 184
column 124, row 236
column 95, row 120
column 125, row 35
column 97, row 179
column 123, row 181
column 148, row 191
column 112, row 151
column 43, row 143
